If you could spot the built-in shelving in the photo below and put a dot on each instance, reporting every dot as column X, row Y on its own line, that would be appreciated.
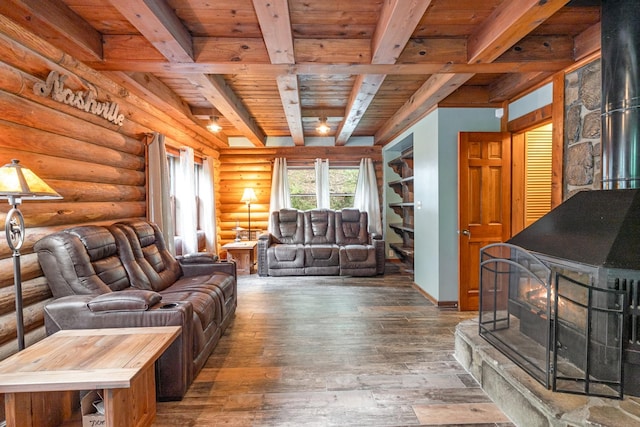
column 403, row 166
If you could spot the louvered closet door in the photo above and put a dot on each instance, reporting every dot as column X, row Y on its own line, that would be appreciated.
column 537, row 173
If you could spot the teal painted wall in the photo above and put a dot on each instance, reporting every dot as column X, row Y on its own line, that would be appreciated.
column 435, row 140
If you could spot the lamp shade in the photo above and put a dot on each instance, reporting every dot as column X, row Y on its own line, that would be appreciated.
column 18, row 182
column 248, row 196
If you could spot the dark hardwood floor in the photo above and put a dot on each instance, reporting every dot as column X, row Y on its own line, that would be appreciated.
column 333, row 351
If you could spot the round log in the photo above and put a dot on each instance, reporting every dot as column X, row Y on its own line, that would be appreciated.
column 52, row 214
column 29, row 269
column 20, row 137
column 49, row 167
column 32, row 291
column 32, row 113
column 33, row 234
column 78, row 191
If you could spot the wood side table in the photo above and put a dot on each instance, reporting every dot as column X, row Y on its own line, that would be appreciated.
column 38, row 381
column 245, row 254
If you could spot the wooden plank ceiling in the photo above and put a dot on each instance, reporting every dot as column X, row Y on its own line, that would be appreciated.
column 274, row 68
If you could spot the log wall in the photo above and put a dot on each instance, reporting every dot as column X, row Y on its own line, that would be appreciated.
column 252, row 167
column 98, row 167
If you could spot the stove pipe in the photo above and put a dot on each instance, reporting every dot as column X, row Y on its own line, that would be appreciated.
column 620, row 53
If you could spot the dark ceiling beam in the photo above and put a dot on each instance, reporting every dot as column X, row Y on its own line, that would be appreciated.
column 275, row 24
column 398, row 20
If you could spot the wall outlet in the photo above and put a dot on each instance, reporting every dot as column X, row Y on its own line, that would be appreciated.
column 390, row 253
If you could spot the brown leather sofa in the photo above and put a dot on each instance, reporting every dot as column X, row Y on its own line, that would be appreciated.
column 320, row 242
column 123, row 276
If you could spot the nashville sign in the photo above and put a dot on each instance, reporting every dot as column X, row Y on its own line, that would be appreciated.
column 84, row 101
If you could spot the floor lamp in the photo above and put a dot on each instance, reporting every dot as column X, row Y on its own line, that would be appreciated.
column 249, row 196
column 18, row 183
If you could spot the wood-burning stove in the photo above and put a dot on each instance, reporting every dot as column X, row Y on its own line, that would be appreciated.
column 562, row 297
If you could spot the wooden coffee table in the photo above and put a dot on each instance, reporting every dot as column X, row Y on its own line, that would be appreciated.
column 120, row 362
column 245, row 254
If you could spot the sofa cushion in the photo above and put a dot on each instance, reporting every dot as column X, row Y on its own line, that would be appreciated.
column 145, row 256
column 288, row 226
column 358, row 253
column 205, row 305
column 351, row 227
column 285, row 252
column 317, row 252
column 81, row 261
column 321, row 259
column 358, row 260
column 285, row 259
column 103, row 255
column 319, row 227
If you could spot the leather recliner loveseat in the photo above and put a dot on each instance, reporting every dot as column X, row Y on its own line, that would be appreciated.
column 123, row 276
column 320, row 242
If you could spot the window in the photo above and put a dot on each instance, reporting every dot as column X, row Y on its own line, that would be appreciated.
column 174, row 167
column 302, row 186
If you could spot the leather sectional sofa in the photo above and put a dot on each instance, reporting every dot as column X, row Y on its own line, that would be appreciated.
column 124, row 276
column 320, row 242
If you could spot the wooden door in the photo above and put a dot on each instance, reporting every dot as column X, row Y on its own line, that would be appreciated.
column 484, row 204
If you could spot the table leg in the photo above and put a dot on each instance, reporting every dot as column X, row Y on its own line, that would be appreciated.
column 134, row 406
column 17, row 408
column 41, row 409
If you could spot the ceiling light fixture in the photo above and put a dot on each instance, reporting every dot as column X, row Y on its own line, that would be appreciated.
column 214, row 126
column 323, row 128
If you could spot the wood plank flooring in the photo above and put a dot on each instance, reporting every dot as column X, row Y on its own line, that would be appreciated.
column 333, row 351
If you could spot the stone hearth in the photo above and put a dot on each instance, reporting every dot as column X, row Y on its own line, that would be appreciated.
column 526, row 401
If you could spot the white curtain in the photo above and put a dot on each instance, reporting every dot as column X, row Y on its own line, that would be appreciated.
column 186, row 200
column 366, row 197
column 159, row 190
column 207, row 194
column 322, row 183
column 280, row 195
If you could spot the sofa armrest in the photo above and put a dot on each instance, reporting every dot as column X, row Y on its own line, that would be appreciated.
column 197, row 258
column 381, row 259
column 191, row 269
column 264, row 241
column 128, row 300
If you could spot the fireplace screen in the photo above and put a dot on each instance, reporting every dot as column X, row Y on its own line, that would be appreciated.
column 515, row 308
column 552, row 322
column 588, row 348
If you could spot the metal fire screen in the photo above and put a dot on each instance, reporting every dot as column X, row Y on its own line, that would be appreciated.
column 558, row 327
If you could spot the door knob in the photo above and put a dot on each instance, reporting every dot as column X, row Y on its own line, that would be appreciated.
column 466, row 232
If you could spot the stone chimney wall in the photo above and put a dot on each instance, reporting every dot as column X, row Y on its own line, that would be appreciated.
column 582, row 139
